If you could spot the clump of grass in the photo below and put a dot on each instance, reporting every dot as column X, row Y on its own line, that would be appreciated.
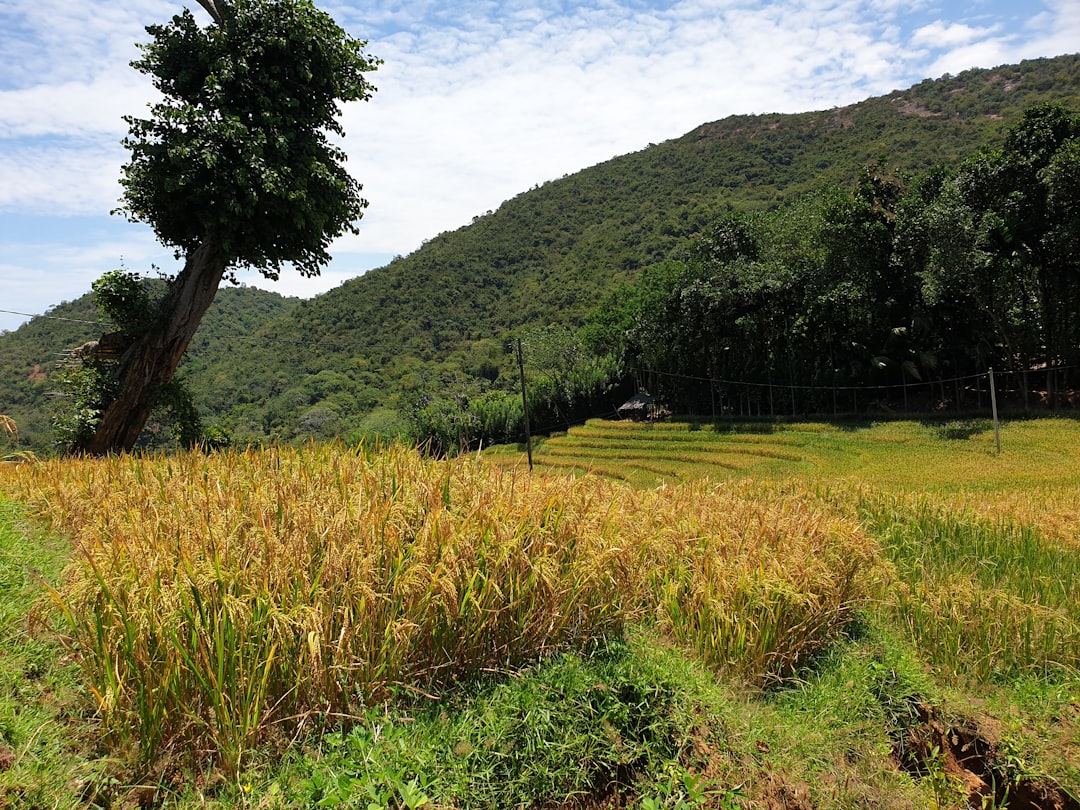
column 961, row 429
column 216, row 599
column 988, row 599
column 573, row 726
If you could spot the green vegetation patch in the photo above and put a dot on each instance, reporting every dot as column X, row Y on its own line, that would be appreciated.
column 47, row 744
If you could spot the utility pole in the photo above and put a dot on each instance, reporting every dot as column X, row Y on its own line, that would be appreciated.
column 525, row 404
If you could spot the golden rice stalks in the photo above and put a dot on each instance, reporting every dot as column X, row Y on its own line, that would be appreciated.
column 214, row 595
column 1054, row 511
column 753, row 576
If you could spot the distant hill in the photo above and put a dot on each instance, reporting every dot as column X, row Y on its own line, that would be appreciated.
column 440, row 317
column 30, row 354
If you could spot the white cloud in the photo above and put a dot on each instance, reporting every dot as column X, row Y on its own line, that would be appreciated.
column 74, row 108
column 940, row 34
column 56, row 41
column 40, row 274
column 1055, row 31
column 462, row 125
column 60, row 177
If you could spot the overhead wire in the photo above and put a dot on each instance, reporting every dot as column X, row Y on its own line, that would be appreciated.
column 264, row 339
column 53, row 317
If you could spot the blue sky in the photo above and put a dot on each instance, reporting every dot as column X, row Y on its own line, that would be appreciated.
column 477, row 102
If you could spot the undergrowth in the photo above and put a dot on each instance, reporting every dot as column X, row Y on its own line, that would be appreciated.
column 48, row 749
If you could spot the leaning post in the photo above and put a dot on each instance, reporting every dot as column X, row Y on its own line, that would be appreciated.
column 993, row 408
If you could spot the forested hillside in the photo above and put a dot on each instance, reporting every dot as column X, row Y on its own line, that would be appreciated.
column 434, row 327
column 31, row 355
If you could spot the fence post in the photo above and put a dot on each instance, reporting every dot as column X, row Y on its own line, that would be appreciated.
column 525, row 405
column 993, row 407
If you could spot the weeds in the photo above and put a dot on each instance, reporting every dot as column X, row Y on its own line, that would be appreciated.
column 586, row 726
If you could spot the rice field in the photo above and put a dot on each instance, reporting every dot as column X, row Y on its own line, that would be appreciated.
column 220, row 604
column 985, row 546
column 212, row 598
column 1039, row 457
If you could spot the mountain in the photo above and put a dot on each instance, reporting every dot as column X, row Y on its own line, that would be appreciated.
column 440, row 318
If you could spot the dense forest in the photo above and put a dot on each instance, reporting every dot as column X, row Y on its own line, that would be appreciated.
column 835, row 260
column 899, row 283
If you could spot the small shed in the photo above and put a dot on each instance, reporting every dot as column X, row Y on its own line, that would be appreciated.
column 639, row 406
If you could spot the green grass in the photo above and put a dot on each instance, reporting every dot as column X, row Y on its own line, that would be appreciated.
column 897, row 456
column 986, row 600
column 46, row 744
column 639, row 723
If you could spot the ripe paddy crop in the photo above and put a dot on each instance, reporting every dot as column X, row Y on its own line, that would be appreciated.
column 227, row 602
column 984, row 546
column 217, row 601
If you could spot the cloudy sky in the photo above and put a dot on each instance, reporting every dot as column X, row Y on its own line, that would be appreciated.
column 477, row 101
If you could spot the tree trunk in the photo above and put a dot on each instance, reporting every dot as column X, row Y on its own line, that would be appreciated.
column 151, row 361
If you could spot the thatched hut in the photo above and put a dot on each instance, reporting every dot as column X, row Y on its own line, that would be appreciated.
column 639, row 408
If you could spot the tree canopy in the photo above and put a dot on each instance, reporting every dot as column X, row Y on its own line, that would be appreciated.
column 898, row 281
column 238, row 150
column 234, row 168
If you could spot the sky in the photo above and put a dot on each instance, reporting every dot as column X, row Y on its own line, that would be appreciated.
column 477, row 102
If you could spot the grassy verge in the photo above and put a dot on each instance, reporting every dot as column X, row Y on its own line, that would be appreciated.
column 47, row 743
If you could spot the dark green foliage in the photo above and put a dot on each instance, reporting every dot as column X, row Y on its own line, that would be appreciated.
column 565, row 383
column 237, row 150
column 233, row 169
column 571, row 726
column 87, row 381
column 84, row 390
column 869, row 292
column 30, row 360
column 431, row 320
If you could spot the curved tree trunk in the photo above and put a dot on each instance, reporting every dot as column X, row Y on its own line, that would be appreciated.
column 151, row 361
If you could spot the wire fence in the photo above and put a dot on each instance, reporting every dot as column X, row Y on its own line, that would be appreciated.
column 1023, row 389
column 720, row 398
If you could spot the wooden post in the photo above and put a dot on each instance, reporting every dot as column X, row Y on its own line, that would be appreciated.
column 525, row 405
column 993, row 407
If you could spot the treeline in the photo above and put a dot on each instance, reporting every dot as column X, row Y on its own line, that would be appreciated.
column 851, row 299
column 564, row 383
column 896, row 294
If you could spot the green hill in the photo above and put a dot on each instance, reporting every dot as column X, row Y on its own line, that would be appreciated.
column 29, row 355
column 439, row 319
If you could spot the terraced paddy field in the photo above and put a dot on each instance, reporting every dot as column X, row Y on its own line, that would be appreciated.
column 932, row 456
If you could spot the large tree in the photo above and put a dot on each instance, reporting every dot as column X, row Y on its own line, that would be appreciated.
column 234, row 169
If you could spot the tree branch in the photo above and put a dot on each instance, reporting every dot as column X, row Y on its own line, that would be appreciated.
column 214, row 9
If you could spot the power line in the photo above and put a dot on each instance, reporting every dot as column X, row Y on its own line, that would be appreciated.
column 790, row 387
column 208, row 338
column 53, row 317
